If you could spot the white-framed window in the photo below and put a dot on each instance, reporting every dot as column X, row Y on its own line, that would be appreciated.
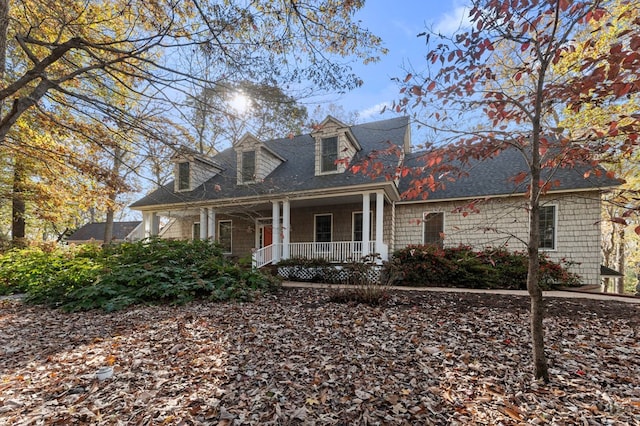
column 248, row 166
column 548, row 225
column 433, row 228
column 184, row 176
column 225, row 235
column 323, row 228
column 356, row 225
column 195, row 231
column 328, row 154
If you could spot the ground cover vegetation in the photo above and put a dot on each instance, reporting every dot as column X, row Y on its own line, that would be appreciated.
column 114, row 277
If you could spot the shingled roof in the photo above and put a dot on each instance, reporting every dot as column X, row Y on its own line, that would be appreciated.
column 95, row 231
column 495, row 177
column 295, row 174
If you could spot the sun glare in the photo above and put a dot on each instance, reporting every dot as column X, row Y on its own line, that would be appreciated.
column 240, row 103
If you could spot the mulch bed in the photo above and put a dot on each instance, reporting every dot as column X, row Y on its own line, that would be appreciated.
column 297, row 358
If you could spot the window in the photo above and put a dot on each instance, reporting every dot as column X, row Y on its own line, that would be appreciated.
column 248, row 166
column 184, row 180
column 329, row 154
column 357, row 225
column 224, row 235
column 548, row 227
column 323, row 228
column 433, row 228
column 195, row 231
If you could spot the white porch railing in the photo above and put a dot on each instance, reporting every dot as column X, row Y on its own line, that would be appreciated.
column 335, row 252
column 263, row 256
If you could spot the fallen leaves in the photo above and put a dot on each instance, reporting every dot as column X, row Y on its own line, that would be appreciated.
column 425, row 358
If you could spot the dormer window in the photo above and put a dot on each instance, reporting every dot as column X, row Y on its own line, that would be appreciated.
column 329, row 149
column 184, row 176
column 248, row 166
column 335, row 146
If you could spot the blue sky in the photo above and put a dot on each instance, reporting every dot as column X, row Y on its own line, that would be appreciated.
column 398, row 24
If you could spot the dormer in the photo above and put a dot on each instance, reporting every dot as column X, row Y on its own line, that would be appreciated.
column 255, row 160
column 334, row 141
column 191, row 169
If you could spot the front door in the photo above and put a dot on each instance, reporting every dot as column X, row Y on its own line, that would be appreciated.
column 266, row 235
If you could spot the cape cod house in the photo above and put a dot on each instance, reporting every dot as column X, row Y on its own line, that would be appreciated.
column 290, row 197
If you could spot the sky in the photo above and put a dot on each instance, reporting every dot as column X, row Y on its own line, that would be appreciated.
column 398, row 23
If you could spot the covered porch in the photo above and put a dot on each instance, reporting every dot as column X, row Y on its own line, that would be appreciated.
column 331, row 227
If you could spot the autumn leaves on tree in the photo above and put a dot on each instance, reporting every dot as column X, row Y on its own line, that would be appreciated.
column 512, row 80
column 100, row 81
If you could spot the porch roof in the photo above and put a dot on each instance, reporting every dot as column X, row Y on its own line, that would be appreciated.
column 296, row 175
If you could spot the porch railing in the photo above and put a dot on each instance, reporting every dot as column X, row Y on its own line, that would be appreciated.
column 335, row 252
column 263, row 256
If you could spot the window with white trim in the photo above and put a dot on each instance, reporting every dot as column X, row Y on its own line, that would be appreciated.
column 357, row 225
column 329, row 154
column 323, row 228
column 224, row 235
column 248, row 166
column 184, row 176
column 195, row 231
column 548, row 227
column 433, row 228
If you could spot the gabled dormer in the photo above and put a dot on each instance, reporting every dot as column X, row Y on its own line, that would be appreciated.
column 255, row 160
column 334, row 141
column 191, row 169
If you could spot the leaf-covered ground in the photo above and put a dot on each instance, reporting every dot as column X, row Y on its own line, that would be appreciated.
column 295, row 358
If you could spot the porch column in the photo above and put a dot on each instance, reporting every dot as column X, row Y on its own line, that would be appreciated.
column 275, row 224
column 155, row 225
column 150, row 225
column 379, row 222
column 211, row 224
column 286, row 228
column 366, row 224
column 203, row 223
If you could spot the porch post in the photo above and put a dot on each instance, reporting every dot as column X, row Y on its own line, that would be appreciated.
column 286, row 228
column 155, row 224
column 211, row 225
column 275, row 226
column 147, row 218
column 379, row 222
column 366, row 224
column 203, row 223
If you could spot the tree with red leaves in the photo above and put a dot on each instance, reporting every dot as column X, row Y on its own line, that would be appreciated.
column 492, row 86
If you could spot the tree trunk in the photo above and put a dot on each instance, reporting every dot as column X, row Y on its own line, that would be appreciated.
column 541, row 370
column 621, row 260
column 18, row 206
column 113, row 193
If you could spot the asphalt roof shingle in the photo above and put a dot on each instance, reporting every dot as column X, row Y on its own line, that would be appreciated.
column 490, row 177
column 95, row 231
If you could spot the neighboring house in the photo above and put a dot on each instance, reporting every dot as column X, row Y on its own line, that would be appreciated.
column 93, row 233
column 290, row 197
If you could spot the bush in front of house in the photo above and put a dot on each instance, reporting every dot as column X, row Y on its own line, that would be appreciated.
column 430, row 266
column 149, row 271
column 45, row 271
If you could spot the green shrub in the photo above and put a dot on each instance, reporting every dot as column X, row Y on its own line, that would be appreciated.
column 425, row 265
column 150, row 271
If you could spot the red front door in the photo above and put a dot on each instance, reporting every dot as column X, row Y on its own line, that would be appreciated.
column 267, row 236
